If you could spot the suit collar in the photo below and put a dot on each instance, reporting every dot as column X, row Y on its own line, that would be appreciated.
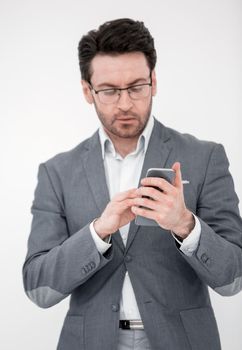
column 95, row 173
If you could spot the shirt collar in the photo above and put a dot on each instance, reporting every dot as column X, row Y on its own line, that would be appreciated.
column 143, row 141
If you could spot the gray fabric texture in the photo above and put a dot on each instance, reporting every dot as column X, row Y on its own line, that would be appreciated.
column 171, row 288
column 44, row 296
column 230, row 289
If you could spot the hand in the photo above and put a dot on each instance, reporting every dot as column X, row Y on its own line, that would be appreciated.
column 168, row 207
column 116, row 214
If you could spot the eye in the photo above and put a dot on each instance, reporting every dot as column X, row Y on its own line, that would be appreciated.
column 136, row 89
column 110, row 92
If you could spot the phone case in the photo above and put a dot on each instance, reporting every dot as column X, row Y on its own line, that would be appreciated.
column 168, row 175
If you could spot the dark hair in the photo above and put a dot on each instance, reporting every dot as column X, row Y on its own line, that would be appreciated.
column 115, row 37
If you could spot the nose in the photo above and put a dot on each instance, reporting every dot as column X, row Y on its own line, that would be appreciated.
column 124, row 102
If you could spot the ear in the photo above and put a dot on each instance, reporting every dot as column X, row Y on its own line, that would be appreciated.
column 154, row 83
column 87, row 91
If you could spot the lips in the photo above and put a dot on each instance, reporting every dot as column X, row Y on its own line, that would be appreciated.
column 125, row 118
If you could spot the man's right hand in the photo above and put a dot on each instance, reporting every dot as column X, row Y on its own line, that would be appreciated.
column 116, row 214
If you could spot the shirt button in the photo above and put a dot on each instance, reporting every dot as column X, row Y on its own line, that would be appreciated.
column 128, row 258
column 115, row 307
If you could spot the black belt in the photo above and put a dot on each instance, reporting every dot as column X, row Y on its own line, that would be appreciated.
column 131, row 324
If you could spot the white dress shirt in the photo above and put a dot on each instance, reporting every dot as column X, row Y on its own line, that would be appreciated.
column 121, row 175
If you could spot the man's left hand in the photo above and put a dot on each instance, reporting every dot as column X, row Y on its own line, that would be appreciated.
column 166, row 206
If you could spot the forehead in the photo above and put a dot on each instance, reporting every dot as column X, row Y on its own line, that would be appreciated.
column 119, row 69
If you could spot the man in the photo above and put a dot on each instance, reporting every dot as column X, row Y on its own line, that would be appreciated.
column 133, row 287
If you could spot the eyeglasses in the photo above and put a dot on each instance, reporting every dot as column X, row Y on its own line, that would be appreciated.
column 136, row 92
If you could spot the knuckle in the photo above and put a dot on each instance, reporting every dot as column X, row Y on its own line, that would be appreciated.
column 170, row 204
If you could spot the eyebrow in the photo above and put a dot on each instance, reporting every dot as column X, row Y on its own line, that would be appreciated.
column 109, row 85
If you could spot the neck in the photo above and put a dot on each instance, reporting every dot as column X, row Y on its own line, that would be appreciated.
column 122, row 145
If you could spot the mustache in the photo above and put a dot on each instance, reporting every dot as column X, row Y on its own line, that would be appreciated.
column 125, row 114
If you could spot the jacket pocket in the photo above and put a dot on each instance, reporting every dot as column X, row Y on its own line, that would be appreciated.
column 72, row 334
column 201, row 328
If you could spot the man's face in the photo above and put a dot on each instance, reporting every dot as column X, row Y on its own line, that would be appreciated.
column 126, row 118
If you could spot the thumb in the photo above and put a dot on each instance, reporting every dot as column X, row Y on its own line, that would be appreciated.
column 177, row 182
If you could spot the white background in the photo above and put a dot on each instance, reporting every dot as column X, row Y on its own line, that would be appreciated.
column 42, row 112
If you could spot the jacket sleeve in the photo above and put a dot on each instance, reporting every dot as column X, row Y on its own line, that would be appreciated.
column 218, row 257
column 56, row 263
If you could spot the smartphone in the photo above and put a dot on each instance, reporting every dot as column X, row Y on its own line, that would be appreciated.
column 165, row 173
column 168, row 175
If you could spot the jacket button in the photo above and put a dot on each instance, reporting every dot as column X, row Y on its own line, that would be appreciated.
column 92, row 265
column 84, row 270
column 115, row 307
column 128, row 258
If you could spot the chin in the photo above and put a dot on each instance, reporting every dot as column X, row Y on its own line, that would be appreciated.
column 128, row 132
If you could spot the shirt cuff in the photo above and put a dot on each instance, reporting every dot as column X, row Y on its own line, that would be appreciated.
column 102, row 246
column 189, row 245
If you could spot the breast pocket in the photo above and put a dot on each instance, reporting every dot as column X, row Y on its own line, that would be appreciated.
column 72, row 334
column 201, row 328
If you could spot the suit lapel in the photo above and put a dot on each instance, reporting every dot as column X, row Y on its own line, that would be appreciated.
column 95, row 172
column 156, row 157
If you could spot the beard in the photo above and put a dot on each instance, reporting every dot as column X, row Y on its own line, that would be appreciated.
column 132, row 128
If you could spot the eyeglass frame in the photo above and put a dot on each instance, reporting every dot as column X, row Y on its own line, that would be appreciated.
column 120, row 89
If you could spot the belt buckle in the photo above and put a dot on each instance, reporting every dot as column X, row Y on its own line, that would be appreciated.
column 126, row 324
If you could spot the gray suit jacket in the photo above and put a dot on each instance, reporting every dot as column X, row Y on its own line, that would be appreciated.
column 170, row 287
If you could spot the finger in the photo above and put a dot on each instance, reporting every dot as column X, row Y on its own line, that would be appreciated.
column 159, row 182
column 147, row 213
column 147, row 203
column 132, row 193
column 178, row 176
column 152, row 192
column 120, row 207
